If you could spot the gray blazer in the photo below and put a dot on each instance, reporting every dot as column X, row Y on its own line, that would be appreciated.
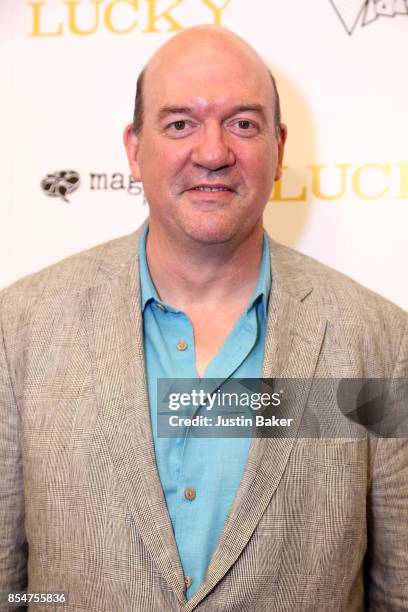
column 317, row 524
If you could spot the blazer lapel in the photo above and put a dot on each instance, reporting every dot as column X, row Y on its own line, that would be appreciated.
column 116, row 339
column 293, row 342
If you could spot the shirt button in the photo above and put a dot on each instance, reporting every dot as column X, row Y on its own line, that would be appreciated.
column 190, row 493
column 161, row 307
column 181, row 345
column 188, row 581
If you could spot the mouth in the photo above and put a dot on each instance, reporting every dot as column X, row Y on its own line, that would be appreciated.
column 206, row 188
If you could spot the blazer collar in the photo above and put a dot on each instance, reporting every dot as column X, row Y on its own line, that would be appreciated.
column 287, row 265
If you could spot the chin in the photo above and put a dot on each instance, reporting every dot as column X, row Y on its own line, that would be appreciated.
column 211, row 233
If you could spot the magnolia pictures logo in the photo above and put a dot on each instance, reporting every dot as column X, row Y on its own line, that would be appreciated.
column 62, row 183
column 353, row 13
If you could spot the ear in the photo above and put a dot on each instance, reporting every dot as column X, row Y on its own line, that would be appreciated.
column 131, row 142
column 281, row 149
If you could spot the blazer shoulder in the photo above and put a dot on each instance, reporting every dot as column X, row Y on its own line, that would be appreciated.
column 334, row 293
column 63, row 281
column 78, row 271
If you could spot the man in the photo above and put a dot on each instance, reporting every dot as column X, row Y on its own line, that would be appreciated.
column 93, row 501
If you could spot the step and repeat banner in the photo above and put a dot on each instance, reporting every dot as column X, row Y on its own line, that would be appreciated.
column 69, row 69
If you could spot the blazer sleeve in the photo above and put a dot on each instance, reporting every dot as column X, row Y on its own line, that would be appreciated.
column 387, row 569
column 13, row 546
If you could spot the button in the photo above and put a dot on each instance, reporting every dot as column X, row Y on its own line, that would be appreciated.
column 161, row 307
column 190, row 493
column 188, row 581
column 181, row 345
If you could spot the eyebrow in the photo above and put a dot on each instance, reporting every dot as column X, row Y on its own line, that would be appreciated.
column 173, row 110
column 164, row 111
column 243, row 108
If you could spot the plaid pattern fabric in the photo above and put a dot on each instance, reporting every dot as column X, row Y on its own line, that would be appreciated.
column 316, row 525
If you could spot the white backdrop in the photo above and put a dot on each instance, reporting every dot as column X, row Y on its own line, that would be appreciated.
column 68, row 79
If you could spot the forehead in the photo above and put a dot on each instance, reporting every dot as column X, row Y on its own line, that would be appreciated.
column 207, row 77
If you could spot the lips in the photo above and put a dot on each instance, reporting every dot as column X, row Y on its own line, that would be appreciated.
column 210, row 188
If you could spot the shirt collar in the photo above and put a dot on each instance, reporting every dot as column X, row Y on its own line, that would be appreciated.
column 262, row 289
column 148, row 290
column 263, row 285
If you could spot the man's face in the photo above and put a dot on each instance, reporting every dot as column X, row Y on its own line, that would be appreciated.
column 208, row 151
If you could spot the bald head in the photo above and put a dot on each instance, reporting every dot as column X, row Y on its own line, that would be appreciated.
column 193, row 47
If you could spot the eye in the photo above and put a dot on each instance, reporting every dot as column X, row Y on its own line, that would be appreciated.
column 244, row 127
column 244, row 124
column 178, row 125
column 179, row 128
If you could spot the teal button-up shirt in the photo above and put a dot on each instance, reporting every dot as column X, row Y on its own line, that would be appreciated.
column 212, row 467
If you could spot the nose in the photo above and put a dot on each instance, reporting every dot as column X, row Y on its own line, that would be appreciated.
column 212, row 150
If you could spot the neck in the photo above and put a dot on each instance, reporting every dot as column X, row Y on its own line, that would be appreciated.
column 204, row 275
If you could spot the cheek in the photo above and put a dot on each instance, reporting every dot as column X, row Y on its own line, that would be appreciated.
column 147, row 156
column 162, row 160
column 260, row 168
column 260, row 178
column 259, row 156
